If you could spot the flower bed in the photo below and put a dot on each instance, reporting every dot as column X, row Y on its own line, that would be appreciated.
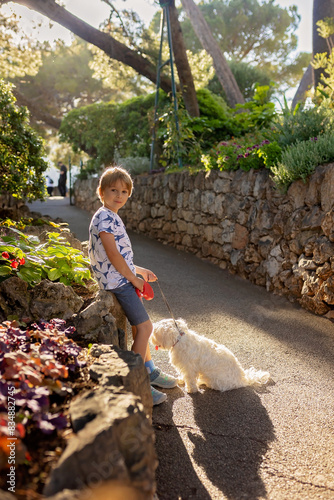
column 42, row 369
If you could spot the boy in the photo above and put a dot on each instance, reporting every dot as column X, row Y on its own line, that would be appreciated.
column 111, row 258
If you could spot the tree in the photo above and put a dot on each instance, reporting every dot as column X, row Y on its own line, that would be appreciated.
column 182, row 63
column 21, row 151
column 112, row 47
column 53, row 91
column 321, row 9
column 129, row 29
column 260, row 34
column 119, row 51
column 19, row 55
column 224, row 74
column 312, row 77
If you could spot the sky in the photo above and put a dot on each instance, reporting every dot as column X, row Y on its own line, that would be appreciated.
column 145, row 8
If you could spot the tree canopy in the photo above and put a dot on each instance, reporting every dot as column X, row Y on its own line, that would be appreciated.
column 21, row 151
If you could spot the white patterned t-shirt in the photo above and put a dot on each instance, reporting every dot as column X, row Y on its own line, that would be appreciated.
column 107, row 276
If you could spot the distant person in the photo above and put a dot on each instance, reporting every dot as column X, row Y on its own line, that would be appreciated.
column 62, row 179
column 49, row 185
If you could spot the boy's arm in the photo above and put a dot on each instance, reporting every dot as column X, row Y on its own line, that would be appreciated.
column 146, row 273
column 119, row 263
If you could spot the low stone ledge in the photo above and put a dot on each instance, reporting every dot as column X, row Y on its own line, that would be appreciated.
column 119, row 368
column 102, row 321
column 115, row 441
column 46, row 300
column 114, row 489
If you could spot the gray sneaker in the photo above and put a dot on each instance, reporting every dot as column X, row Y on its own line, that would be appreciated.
column 161, row 379
column 158, row 397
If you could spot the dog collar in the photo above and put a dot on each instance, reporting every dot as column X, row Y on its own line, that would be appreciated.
column 178, row 338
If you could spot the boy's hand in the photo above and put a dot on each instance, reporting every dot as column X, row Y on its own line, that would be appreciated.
column 138, row 283
column 146, row 274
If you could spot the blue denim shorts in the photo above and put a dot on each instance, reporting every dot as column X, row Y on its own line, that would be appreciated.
column 131, row 303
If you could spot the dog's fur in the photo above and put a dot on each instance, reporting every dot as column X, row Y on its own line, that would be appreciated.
column 202, row 361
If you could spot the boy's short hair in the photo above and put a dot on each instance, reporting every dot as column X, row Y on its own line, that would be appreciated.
column 112, row 175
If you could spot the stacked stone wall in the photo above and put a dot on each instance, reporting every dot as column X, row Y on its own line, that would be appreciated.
column 240, row 222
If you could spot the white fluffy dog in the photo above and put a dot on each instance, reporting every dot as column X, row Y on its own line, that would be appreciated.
column 202, row 361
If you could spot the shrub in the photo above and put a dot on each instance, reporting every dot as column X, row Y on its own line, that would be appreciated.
column 242, row 153
column 300, row 160
column 255, row 114
column 300, row 124
column 21, row 151
column 104, row 130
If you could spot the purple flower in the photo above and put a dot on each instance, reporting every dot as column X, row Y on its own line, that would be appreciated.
column 246, row 155
column 240, row 156
column 265, row 142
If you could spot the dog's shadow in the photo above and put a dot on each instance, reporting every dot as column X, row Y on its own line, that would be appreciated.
column 236, row 431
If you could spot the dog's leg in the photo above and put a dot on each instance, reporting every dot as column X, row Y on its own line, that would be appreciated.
column 190, row 379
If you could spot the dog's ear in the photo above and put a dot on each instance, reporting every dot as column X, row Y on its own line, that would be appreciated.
column 157, row 334
column 164, row 334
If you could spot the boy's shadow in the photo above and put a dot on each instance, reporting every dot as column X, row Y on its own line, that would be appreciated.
column 236, row 431
column 175, row 475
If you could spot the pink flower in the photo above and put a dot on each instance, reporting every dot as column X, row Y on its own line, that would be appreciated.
column 5, row 255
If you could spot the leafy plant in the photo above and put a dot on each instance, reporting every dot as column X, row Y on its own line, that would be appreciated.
column 21, row 151
column 324, row 93
column 34, row 364
column 257, row 113
column 26, row 257
column 300, row 160
column 242, row 154
column 300, row 124
column 177, row 142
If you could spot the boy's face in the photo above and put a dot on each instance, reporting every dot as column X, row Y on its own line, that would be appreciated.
column 115, row 196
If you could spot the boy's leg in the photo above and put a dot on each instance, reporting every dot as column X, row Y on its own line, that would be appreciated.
column 148, row 356
column 140, row 337
column 157, row 377
column 140, row 345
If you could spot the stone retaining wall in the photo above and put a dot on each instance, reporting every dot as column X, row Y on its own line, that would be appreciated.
column 238, row 221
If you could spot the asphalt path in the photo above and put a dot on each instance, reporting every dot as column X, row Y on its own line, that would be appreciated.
column 271, row 443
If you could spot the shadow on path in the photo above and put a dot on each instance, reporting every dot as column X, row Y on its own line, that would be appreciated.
column 237, row 430
column 175, row 475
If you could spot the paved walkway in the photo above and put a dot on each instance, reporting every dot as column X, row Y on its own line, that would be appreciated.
column 57, row 206
column 276, row 443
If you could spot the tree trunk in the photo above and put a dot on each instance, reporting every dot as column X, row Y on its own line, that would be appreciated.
column 306, row 83
column 182, row 64
column 321, row 9
column 224, row 74
column 37, row 113
column 113, row 48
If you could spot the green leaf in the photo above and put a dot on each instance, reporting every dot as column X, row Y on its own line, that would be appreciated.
column 54, row 274
column 5, row 270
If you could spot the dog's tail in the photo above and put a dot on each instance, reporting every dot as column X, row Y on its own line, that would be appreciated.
column 256, row 376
